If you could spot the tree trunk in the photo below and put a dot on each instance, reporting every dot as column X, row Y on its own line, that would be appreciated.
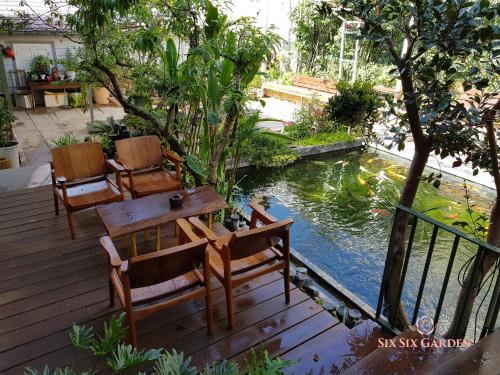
column 465, row 303
column 397, row 248
column 220, row 145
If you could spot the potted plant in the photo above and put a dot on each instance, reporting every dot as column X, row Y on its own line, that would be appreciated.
column 70, row 64
column 9, row 147
column 40, row 65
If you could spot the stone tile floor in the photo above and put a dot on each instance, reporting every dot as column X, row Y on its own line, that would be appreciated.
column 36, row 130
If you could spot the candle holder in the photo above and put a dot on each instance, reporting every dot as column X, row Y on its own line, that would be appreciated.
column 176, row 201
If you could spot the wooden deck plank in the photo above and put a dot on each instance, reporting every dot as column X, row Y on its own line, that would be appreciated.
column 49, row 282
column 290, row 338
column 256, row 333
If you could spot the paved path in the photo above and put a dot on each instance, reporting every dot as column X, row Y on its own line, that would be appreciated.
column 36, row 130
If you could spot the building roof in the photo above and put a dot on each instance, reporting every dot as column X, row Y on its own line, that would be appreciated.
column 30, row 15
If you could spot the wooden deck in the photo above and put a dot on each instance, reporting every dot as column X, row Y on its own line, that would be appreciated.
column 48, row 282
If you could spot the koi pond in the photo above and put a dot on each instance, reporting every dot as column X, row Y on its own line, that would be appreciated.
column 342, row 206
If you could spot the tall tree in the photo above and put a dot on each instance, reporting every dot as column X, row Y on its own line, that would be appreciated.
column 447, row 41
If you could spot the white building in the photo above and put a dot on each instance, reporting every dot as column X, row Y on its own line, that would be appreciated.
column 37, row 39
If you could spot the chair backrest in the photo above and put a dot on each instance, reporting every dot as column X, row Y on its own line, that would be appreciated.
column 80, row 160
column 246, row 243
column 154, row 268
column 139, row 152
column 18, row 78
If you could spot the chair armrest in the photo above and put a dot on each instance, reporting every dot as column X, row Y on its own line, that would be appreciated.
column 172, row 157
column 116, row 166
column 61, row 179
column 114, row 259
column 185, row 231
column 202, row 230
column 259, row 213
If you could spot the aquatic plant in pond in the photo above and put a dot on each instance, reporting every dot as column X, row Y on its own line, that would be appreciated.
column 342, row 206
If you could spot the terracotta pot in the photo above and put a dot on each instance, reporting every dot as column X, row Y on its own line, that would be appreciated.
column 101, row 95
column 9, row 52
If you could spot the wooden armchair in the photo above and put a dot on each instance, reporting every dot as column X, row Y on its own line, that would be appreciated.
column 151, row 282
column 140, row 162
column 79, row 179
column 241, row 256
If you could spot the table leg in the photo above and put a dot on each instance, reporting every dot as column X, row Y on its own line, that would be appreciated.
column 210, row 220
column 134, row 244
column 158, row 238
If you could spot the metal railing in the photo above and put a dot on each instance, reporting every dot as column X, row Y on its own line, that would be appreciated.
column 482, row 249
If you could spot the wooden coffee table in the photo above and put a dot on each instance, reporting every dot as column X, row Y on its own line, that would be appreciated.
column 136, row 215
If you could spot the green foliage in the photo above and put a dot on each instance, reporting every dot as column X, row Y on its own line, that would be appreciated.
column 453, row 44
column 315, row 36
column 138, row 125
column 40, row 65
column 114, row 333
column 338, row 135
column 121, row 358
column 174, row 364
column 77, row 100
column 70, row 61
column 125, row 357
column 6, row 120
column 66, row 139
column 309, row 120
column 224, row 368
column 268, row 150
column 263, row 364
column 354, row 104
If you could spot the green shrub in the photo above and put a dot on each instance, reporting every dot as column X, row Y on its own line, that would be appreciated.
column 268, row 150
column 40, row 65
column 339, row 135
column 67, row 139
column 6, row 120
column 309, row 120
column 138, row 125
column 77, row 100
column 120, row 358
column 354, row 104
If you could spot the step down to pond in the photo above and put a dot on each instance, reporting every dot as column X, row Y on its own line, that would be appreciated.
column 483, row 358
column 336, row 349
column 403, row 360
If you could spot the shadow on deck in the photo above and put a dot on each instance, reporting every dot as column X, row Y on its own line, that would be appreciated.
column 48, row 282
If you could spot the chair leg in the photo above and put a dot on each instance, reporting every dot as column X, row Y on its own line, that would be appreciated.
column 56, row 204
column 70, row 223
column 208, row 302
column 111, row 294
column 229, row 305
column 286, row 275
column 132, row 332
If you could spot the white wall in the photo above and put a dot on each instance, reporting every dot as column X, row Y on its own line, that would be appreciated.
column 59, row 47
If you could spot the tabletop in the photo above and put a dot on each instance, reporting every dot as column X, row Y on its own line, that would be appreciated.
column 121, row 218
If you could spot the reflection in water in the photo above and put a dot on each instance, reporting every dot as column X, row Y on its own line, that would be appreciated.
column 342, row 206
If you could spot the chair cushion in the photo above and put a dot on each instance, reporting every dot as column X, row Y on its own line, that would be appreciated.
column 91, row 194
column 152, row 182
column 159, row 291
